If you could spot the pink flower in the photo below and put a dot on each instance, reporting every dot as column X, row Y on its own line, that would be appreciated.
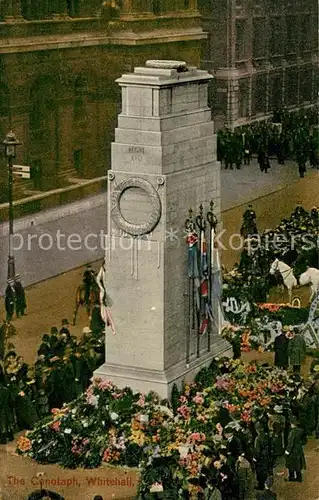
column 141, row 401
column 198, row 399
column 197, row 436
column 107, row 455
column 56, row 425
column 183, row 399
column 103, row 385
column 185, row 411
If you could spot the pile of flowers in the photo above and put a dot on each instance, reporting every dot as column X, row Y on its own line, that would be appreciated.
column 120, row 427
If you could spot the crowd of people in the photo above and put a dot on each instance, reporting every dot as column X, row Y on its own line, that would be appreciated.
column 242, row 462
column 288, row 136
column 62, row 371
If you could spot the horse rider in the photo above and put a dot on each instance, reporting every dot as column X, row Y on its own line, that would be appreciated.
column 88, row 281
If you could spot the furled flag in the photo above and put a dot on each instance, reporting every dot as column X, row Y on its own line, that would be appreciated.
column 205, row 308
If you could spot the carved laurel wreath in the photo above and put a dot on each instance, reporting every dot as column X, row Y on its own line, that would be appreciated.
column 121, row 222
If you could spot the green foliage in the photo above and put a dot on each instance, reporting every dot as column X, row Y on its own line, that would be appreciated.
column 175, row 397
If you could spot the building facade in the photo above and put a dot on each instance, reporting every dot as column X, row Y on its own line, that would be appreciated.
column 59, row 60
column 263, row 54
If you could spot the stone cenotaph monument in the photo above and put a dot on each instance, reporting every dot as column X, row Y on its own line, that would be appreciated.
column 163, row 163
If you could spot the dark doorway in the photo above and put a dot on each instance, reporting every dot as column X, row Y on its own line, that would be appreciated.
column 78, row 162
column 36, row 174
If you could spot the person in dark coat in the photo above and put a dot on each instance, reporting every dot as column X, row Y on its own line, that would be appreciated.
column 233, row 448
column 21, row 303
column 245, row 479
column 262, row 456
column 267, row 493
column 297, row 351
column 295, row 458
column 10, row 299
column 281, row 351
column 7, row 421
column 65, row 328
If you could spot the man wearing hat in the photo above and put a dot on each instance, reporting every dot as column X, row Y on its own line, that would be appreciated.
column 295, row 458
column 10, row 299
column 297, row 350
column 21, row 303
column 281, row 350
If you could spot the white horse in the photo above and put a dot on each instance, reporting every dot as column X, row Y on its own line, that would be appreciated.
column 287, row 275
column 311, row 277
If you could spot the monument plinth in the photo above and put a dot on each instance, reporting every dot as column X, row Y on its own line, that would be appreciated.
column 163, row 163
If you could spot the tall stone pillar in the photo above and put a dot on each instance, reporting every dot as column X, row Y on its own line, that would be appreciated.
column 163, row 163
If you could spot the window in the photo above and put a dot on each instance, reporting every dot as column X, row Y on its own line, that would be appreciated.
column 36, row 173
column 73, row 7
column 79, row 106
column 156, row 7
column 240, row 39
column 258, row 37
column 305, row 84
column 243, row 102
column 275, row 92
column 276, row 36
column 305, row 33
column 259, row 91
column 291, row 87
column 78, row 162
column 292, row 34
column 4, row 100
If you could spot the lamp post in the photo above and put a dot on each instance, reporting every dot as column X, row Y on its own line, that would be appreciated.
column 10, row 144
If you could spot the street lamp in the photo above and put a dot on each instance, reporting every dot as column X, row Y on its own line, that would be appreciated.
column 10, row 144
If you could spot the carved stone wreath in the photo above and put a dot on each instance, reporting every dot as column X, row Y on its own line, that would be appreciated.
column 125, row 225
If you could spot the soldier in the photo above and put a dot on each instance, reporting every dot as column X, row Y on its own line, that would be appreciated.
column 295, row 458
column 21, row 303
column 10, row 299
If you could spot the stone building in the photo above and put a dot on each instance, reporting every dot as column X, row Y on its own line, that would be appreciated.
column 59, row 60
column 263, row 54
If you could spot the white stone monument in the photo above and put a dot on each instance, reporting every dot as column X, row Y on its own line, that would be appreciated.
column 163, row 163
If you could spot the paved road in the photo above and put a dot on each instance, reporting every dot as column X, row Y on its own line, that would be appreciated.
column 41, row 238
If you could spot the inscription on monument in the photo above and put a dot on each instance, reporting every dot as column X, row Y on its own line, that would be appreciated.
column 136, row 150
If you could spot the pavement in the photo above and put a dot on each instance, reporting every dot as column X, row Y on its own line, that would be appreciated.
column 58, row 240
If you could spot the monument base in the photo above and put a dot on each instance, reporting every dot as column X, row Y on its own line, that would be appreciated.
column 161, row 382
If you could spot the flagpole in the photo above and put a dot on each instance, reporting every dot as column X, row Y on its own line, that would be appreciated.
column 190, row 324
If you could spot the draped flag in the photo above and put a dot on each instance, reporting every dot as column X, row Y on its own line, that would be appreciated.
column 105, row 300
column 216, row 283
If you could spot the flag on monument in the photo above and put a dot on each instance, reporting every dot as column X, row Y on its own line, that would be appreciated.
column 205, row 312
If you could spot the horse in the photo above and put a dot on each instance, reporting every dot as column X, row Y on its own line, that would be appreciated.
column 287, row 275
column 80, row 299
column 310, row 277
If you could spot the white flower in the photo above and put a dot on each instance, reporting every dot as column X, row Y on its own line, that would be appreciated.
column 114, row 416
column 73, row 411
column 85, row 424
column 93, row 400
column 67, row 431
